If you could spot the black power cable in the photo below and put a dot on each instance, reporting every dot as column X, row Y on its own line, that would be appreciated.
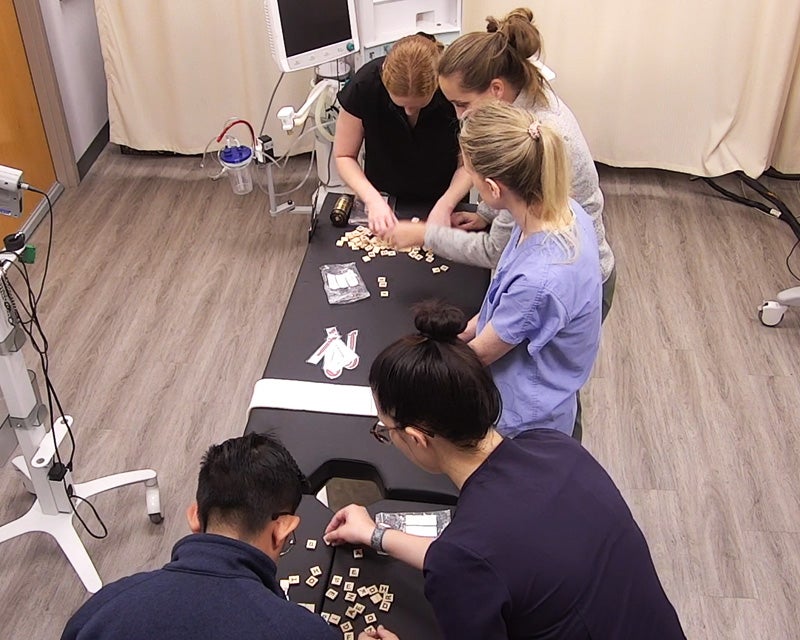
column 776, row 208
column 32, row 327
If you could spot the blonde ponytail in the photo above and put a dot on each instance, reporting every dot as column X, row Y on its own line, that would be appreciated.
column 509, row 145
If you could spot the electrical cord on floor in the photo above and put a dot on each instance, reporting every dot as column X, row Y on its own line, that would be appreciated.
column 49, row 240
column 788, row 266
column 32, row 327
column 774, row 173
column 776, row 209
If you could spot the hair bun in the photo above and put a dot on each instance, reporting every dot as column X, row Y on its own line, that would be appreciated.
column 439, row 321
column 520, row 31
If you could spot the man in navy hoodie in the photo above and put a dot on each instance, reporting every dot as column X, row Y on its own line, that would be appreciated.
column 221, row 582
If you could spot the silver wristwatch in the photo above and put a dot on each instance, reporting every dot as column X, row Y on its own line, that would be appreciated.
column 376, row 540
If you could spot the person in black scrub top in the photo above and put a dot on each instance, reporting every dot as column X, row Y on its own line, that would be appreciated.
column 410, row 131
column 542, row 543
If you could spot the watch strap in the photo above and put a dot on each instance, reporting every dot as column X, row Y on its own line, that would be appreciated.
column 376, row 540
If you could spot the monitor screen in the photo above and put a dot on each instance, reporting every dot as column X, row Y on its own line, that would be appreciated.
column 313, row 24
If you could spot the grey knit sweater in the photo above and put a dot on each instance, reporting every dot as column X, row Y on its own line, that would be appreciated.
column 485, row 247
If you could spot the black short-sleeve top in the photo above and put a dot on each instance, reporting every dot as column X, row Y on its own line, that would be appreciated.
column 411, row 163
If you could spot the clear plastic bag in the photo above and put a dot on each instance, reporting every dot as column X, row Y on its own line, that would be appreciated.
column 421, row 523
column 359, row 213
column 343, row 283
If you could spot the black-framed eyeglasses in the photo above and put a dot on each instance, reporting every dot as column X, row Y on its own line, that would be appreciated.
column 292, row 541
column 381, row 432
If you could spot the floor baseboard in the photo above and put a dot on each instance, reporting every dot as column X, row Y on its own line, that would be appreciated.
column 93, row 152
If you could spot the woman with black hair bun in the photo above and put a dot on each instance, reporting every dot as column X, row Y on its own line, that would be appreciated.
column 542, row 544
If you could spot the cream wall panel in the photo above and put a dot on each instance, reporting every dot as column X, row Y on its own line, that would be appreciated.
column 702, row 88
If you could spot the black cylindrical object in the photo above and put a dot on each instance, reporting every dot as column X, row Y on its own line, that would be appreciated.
column 341, row 210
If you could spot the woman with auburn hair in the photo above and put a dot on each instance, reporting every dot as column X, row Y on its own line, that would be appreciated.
column 394, row 107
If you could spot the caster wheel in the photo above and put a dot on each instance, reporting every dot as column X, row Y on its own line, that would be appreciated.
column 156, row 518
column 771, row 313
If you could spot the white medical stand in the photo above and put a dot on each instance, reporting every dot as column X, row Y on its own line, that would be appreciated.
column 380, row 24
column 52, row 511
column 324, row 90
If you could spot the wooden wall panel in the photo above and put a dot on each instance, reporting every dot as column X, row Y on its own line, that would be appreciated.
column 23, row 143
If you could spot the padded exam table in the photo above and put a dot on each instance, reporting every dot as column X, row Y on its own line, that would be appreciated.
column 338, row 444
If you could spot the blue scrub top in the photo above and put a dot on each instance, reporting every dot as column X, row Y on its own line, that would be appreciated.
column 547, row 304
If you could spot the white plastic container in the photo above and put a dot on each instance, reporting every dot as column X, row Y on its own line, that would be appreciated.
column 236, row 161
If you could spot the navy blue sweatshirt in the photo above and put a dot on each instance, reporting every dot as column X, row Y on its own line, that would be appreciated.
column 214, row 588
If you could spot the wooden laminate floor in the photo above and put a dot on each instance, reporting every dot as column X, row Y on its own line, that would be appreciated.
column 165, row 293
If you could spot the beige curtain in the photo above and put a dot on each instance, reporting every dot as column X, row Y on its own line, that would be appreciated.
column 704, row 88
column 177, row 69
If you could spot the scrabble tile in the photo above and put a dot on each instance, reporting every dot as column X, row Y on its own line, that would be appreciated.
column 363, row 591
column 312, row 581
column 382, row 285
column 354, row 572
column 334, row 619
column 349, row 586
column 336, row 581
column 350, row 596
column 346, row 626
column 384, row 588
column 294, row 580
column 311, row 544
column 435, row 269
column 349, row 636
column 316, row 571
column 366, row 258
column 429, row 259
column 384, row 294
column 376, row 598
column 358, row 553
column 369, row 630
column 325, row 616
column 444, row 267
column 370, row 618
column 385, row 606
column 359, row 608
column 351, row 613
column 331, row 594
column 372, row 590
column 389, row 597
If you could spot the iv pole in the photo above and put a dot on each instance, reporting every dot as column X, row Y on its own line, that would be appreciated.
column 290, row 119
column 53, row 510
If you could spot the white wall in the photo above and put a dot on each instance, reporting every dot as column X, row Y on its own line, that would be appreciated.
column 72, row 32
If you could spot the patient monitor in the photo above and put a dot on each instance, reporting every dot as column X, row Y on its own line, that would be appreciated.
column 309, row 33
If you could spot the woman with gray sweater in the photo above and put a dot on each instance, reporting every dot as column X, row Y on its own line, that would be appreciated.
column 495, row 65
